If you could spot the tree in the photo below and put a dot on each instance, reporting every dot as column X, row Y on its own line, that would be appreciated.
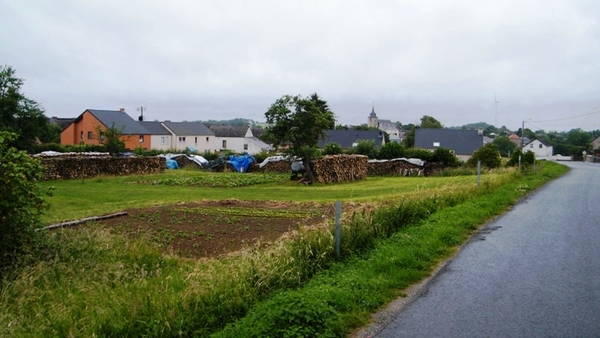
column 111, row 138
column 488, row 155
column 428, row 122
column 445, row 157
column 367, row 148
column 409, row 137
column 18, row 114
column 300, row 121
column 505, row 145
column 332, row 148
column 21, row 205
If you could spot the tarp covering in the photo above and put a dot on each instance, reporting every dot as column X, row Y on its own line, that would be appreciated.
column 241, row 163
column 172, row 164
column 414, row 161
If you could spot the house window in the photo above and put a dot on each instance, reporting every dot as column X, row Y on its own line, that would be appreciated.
column 436, row 144
column 206, row 139
column 81, row 135
column 224, row 144
column 540, row 146
column 164, row 140
column 90, row 135
column 245, row 146
column 531, row 146
column 181, row 139
column 196, row 140
column 141, row 138
column 101, row 135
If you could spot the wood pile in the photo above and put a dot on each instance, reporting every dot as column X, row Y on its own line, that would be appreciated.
column 284, row 167
column 395, row 168
column 57, row 168
column 340, row 168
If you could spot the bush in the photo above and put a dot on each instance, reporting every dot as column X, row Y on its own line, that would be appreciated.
column 367, row 148
column 526, row 159
column 488, row 155
column 332, row 148
column 422, row 154
column 21, row 205
column 445, row 157
column 391, row 150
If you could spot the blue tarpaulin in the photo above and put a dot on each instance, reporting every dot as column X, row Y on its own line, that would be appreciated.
column 172, row 164
column 241, row 162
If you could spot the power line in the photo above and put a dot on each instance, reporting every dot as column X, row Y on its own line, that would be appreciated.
column 567, row 118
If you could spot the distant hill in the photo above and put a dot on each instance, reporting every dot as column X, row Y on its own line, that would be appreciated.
column 474, row 126
column 232, row 122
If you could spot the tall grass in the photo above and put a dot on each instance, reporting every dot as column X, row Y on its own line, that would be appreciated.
column 99, row 284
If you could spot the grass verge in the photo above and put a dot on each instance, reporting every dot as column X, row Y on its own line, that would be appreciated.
column 96, row 284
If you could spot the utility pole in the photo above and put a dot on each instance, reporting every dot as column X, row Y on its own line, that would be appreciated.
column 141, row 110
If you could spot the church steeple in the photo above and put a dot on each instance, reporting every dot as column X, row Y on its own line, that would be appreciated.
column 372, row 118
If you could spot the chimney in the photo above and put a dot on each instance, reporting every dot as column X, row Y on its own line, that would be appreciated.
column 479, row 131
column 122, row 110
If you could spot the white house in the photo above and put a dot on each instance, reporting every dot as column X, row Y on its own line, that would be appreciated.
column 238, row 139
column 541, row 149
column 160, row 137
column 193, row 135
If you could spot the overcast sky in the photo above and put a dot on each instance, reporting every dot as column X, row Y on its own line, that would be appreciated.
column 200, row 60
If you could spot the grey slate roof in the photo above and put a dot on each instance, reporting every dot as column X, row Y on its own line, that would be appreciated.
column 188, row 128
column 155, row 127
column 121, row 120
column 463, row 142
column 347, row 137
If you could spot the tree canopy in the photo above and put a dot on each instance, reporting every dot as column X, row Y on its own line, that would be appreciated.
column 18, row 114
column 300, row 122
column 429, row 122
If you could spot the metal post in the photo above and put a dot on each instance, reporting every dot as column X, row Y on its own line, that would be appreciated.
column 338, row 228
column 519, row 163
column 478, row 173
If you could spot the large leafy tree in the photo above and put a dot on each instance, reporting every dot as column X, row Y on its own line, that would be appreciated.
column 18, row 114
column 505, row 145
column 300, row 122
column 429, row 122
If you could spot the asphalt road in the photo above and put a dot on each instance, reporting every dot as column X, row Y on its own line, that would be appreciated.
column 536, row 275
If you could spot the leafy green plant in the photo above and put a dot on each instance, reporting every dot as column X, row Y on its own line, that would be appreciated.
column 21, row 205
column 445, row 157
column 332, row 148
column 367, row 148
column 488, row 155
column 391, row 150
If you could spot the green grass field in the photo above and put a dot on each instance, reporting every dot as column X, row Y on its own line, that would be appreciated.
column 94, row 283
column 75, row 199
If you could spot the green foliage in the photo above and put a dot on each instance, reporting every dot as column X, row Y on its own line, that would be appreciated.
column 332, row 148
column 409, row 137
column 260, row 157
column 301, row 121
column 18, row 114
column 505, row 145
column 111, row 138
column 50, row 134
column 391, row 150
column 422, row 154
column 445, row 157
column 429, row 122
column 488, row 155
column 223, row 180
column 21, row 204
column 367, row 148
column 526, row 159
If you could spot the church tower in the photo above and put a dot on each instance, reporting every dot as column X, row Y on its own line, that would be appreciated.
column 372, row 119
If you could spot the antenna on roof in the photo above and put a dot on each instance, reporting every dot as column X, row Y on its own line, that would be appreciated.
column 141, row 110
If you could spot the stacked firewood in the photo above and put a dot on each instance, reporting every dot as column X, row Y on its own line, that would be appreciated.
column 340, row 168
column 275, row 167
column 394, row 168
column 85, row 167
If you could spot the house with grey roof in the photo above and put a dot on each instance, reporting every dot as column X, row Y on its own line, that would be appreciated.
column 349, row 139
column 239, row 139
column 190, row 135
column 160, row 137
column 541, row 149
column 88, row 128
column 462, row 142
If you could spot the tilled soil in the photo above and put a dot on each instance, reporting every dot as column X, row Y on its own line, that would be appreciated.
column 214, row 228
